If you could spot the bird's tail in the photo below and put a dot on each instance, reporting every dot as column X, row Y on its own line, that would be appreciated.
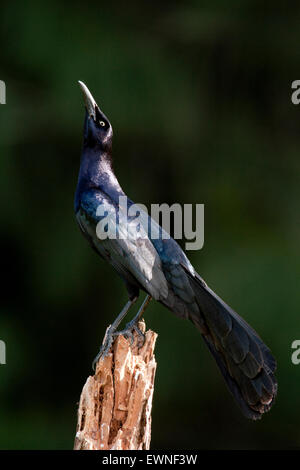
column 244, row 360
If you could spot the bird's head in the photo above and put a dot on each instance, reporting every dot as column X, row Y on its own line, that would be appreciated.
column 98, row 132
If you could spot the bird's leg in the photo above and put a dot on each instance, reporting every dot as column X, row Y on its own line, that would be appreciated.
column 133, row 324
column 111, row 332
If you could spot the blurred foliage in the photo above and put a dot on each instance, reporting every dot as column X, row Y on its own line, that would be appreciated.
column 199, row 97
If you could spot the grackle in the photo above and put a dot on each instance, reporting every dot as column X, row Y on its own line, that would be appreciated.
column 159, row 267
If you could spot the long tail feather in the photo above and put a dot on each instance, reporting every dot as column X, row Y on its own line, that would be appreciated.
column 244, row 360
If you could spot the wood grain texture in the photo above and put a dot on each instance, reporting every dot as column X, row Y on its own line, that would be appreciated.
column 115, row 404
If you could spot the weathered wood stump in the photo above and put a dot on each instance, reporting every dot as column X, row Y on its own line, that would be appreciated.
column 115, row 404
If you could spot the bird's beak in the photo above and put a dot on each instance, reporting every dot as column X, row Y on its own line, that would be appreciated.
column 90, row 103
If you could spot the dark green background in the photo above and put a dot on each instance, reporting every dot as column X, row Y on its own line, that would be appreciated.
column 199, row 95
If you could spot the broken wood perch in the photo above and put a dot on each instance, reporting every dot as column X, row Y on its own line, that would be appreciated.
column 115, row 405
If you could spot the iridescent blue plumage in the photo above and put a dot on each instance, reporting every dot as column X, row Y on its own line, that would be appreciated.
column 159, row 267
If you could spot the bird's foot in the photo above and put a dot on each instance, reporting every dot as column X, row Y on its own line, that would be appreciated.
column 111, row 334
column 106, row 345
column 129, row 329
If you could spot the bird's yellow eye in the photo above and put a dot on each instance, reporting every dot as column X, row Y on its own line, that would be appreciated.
column 102, row 123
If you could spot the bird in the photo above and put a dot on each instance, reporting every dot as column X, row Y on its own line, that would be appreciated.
column 159, row 267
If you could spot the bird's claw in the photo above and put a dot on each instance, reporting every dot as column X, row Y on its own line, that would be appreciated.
column 111, row 334
column 139, row 332
column 128, row 335
column 128, row 332
column 106, row 345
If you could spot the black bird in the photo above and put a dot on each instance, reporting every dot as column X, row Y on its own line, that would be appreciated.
column 159, row 267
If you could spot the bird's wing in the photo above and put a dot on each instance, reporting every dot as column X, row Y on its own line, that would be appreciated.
column 123, row 242
column 175, row 265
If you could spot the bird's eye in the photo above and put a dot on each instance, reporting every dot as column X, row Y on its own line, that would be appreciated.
column 102, row 123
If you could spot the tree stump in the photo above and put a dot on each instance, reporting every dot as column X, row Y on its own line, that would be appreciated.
column 115, row 405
